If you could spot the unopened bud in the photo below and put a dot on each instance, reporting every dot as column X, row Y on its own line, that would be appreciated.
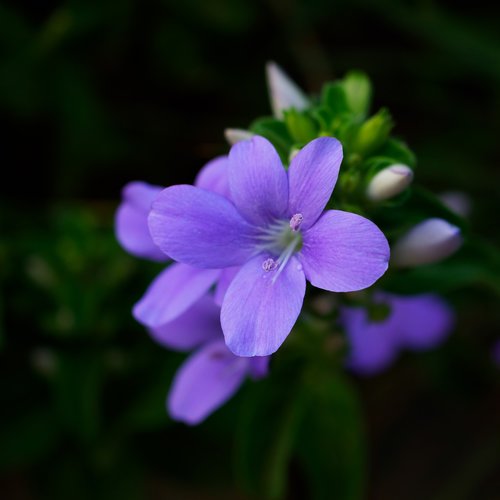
column 430, row 241
column 457, row 202
column 389, row 182
column 283, row 92
column 234, row 135
column 373, row 133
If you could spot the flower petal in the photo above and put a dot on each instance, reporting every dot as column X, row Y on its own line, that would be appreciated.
column 312, row 176
column 172, row 292
column 258, row 311
column 131, row 221
column 344, row 252
column 259, row 366
column 372, row 347
column 214, row 176
column 227, row 275
column 197, row 325
column 423, row 321
column 205, row 382
column 200, row 228
column 258, row 181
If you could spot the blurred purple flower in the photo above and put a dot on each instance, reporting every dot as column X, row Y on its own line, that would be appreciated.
column 212, row 374
column 178, row 286
column 277, row 230
column 131, row 227
column 418, row 322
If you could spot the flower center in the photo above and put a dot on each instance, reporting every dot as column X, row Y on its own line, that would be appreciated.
column 283, row 239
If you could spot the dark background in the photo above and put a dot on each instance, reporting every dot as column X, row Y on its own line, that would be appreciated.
column 94, row 94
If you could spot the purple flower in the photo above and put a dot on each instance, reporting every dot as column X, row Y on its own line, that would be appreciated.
column 131, row 227
column 212, row 374
column 418, row 322
column 178, row 286
column 276, row 228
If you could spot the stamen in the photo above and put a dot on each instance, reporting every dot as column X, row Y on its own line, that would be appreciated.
column 269, row 265
column 296, row 221
column 286, row 255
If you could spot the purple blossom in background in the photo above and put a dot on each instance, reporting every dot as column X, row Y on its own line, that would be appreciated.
column 178, row 286
column 276, row 228
column 417, row 323
column 179, row 313
column 212, row 374
column 131, row 227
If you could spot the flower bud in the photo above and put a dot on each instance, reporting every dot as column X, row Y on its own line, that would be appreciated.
column 283, row 92
column 457, row 202
column 373, row 133
column 234, row 135
column 358, row 92
column 430, row 241
column 389, row 182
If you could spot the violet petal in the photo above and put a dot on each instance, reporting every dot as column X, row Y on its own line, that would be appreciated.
column 312, row 176
column 344, row 252
column 131, row 221
column 423, row 321
column 200, row 228
column 194, row 327
column 258, row 181
column 259, row 311
column 172, row 292
column 214, row 176
column 372, row 347
column 205, row 382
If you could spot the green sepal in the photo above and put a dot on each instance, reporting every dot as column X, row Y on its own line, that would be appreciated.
column 373, row 133
column 277, row 132
column 331, row 439
column 358, row 92
column 398, row 151
column 301, row 126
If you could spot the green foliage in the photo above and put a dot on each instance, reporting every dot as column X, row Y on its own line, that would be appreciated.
column 331, row 443
column 277, row 132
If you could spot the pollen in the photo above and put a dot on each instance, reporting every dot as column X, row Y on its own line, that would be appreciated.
column 269, row 265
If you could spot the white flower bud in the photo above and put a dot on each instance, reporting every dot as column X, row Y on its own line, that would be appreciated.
column 283, row 92
column 389, row 182
column 234, row 135
column 430, row 241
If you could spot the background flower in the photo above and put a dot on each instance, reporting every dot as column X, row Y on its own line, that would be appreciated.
column 415, row 322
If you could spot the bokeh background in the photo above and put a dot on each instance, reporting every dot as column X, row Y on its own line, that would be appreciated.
column 95, row 93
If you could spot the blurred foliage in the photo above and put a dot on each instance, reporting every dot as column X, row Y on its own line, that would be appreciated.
column 96, row 93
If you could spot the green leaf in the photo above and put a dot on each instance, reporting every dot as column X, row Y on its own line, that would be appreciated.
column 324, row 117
column 266, row 434
column 277, row 132
column 331, row 440
column 301, row 126
column 333, row 97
